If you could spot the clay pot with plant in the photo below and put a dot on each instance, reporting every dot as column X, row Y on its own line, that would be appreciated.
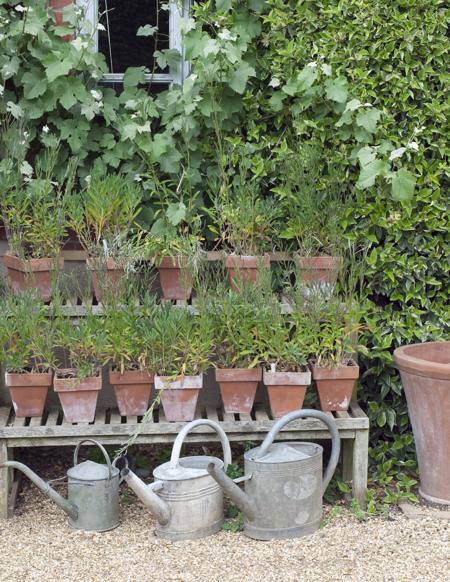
column 127, row 353
column 27, row 341
column 103, row 216
column 245, row 222
column 238, row 319
column 179, row 347
column 33, row 209
column 78, row 379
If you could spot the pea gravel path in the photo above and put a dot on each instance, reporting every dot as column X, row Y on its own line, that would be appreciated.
column 38, row 545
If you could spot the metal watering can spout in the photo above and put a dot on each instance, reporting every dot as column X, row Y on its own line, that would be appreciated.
column 147, row 495
column 70, row 508
column 234, row 492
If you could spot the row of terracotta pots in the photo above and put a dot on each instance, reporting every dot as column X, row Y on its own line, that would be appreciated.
column 176, row 283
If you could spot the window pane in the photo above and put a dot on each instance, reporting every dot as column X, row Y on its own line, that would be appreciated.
column 119, row 40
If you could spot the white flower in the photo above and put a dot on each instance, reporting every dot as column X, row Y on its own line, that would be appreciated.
column 274, row 82
column 100, row 26
column 413, row 145
column 20, row 8
column 88, row 180
column 137, row 178
column 313, row 65
column 94, row 75
column 225, row 34
column 2, row 90
column 46, row 129
column 96, row 94
column 397, row 154
column 26, row 169
column 26, row 134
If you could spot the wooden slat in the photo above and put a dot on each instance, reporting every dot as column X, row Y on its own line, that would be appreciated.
column 19, row 422
column 260, row 413
column 4, row 415
column 357, row 411
column 115, row 417
column 36, row 421
column 198, row 413
column 211, row 414
column 342, row 414
column 245, row 417
column 161, row 415
column 132, row 419
column 228, row 417
column 52, row 418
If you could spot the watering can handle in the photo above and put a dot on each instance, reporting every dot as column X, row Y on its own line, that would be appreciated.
column 328, row 420
column 174, row 459
column 101, row 447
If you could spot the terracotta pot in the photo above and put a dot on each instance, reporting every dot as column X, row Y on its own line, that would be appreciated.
column 323, row 269
column 33, row 273
column 78, row 398
column 179, row 397
column 238, row 388
column 335, row 385
column 133, row 389
column 106, row 276
column 58, row 7
column 286, row 390
column 175, row 279
column 425, row 372
column 245, row 268
column 28, row 392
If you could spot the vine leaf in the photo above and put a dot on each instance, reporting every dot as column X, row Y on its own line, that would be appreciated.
column 403, row 185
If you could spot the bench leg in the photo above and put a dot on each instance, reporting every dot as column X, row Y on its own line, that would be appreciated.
column 4, row 483
column 347, row 459
column 360, row 465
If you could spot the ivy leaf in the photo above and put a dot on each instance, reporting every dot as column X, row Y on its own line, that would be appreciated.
column 368, row 119
column 134, row 76
column 223, row 5
column 34, row 84
column 176, row 213
column 147, row 30
column 167, row 57
column 56, row 66
column 10, row 68
column 15, row 110
column 336, row 90
column 369, row 172
column 403, row 185
column 240, row 76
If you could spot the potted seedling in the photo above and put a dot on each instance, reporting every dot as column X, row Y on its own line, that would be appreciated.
column 78, row 380
column 313, row 205
column 33, row 211
column 237, row 320
column 285, row 345
column 127, row 352
column 27, row 341
column 179, row 345
column 245, row 223
column 103, row 217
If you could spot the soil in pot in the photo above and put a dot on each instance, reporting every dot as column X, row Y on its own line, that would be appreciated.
column 132, row 389
column 319, row 270
column 238, row 388
column 245, row 268
column 78, row 397
column 28, row 392
column 175, row 279
column 32, row 274
column 335, row 385
column 286, row 390
column 179, row 396
column 425, row 372
column 106, row 276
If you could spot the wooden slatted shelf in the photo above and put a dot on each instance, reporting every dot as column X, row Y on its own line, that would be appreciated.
column 109, row 427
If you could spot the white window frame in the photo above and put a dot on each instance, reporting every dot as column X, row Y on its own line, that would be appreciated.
column 178, row 10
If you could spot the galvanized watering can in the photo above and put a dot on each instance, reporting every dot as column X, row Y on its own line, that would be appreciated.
column 283, row 483
column 93, row 491
column 184, row 498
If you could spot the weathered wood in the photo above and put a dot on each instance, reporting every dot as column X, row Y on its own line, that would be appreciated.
column 52, row 418
column 115, row 417
column 4, row 482
column 4, row 415
column 347, row 460
column 212, row 414
column 35, row 421
column 360, row 466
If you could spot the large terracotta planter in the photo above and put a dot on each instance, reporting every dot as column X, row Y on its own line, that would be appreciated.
column 175, row 279
column 133, row 389
column 106, row 276
column 335, row 385
column 286, row 390
column 28, row 392
column 323, row 270
column 32, row 274
column 425, row 372
column 238, row 388
column 179, row 396
column 243, row 268
column 78, row 398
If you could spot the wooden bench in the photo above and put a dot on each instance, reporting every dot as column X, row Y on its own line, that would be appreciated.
column 110, row 428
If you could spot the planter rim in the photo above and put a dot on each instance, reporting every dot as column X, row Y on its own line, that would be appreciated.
column 247, row 261
column 321, row 262
column 130, row 377
column 28, row 379
column 286, row 378
column 238, row 374
column 98, row 264
column 412, row 359
column 179, row 383
column 74, row 385
column 175, row 262
column 44, row 264
column 348, row 371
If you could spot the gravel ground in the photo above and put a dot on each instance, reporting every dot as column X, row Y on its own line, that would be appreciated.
column 37, row 545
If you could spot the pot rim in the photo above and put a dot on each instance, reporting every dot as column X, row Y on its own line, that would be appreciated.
column 348, row 371
column 130, row 376
column 286, row 378
column 14, row 262
column 178, row 382
column 243, row 374
column 407, row 362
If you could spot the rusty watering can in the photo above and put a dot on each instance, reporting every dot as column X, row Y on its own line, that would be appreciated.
column 283, row 483
column 184, row 498
column 93, row 491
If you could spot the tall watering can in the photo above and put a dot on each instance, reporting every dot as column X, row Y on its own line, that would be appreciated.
column 93, row 491
column 283, row 483
column 185, row 499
